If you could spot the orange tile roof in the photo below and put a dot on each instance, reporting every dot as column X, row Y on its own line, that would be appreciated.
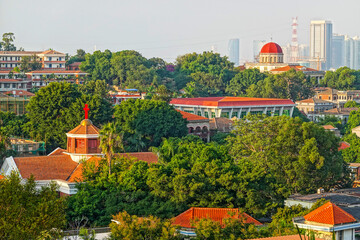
column 343, row 145
column 288, row 237
column 328, row 127
column 148, row 157
column 85, row 127
column 331, row 214
column 191, row 117
column 216, row 214
column 43, row 71
column 10, row 80
column 295, row 67
column 230, row 101
column 46, row 167
column 20, row 52
column 52, row 52
column 20, row 93
column 1, row 177
column 58, row 151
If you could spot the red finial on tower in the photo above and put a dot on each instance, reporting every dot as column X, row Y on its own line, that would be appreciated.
column 86, row 109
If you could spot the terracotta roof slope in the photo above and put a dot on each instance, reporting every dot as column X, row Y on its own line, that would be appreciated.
column 46, row 167
column 190, row 116
column 288, row 237
column 331, row 214
column 216, row 214
column 85, row 127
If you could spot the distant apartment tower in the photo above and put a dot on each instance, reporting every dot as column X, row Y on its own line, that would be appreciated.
column 257, row 46
column 304, row 51
column 287, row 53
column 233, row 50
column 338, row 51
column 321, row 43
column 352, row 52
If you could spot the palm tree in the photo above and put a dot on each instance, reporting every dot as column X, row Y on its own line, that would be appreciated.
column 111, row 139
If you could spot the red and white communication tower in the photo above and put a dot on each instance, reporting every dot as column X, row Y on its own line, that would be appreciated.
column 294, row 55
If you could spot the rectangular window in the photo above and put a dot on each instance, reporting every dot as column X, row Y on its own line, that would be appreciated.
column 225, row 114
column 79, row 143
column 7, row 85
column 234, row 114
column 206, row 114
column 212, row 114
column 243, row 114
column 286, row 112
column 276, row 113
column 199, row 113
column 92, row 143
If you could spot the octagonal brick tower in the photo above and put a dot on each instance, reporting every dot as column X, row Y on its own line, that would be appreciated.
column 83, row 141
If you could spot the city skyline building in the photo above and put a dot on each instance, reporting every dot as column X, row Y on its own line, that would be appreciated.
column 338, row 51
column 294, row 54
column 352, row 52
column 321, row 43
column 234, row 51
column 257, row 45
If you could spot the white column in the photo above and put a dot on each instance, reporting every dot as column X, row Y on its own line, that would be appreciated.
column 265, row 110
column 248, row 111
column 273, row 111
column 291, row 111
column 231, row 112
column 218, row 112
column 239, row 113
column 281, row 111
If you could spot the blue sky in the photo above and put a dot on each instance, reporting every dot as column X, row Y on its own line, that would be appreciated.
column 167, row 28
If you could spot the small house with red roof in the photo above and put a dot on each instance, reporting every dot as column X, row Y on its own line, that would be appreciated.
column 64, row 167
column 310, row 72
column 271, row 57
column 230, row 107
column 197, row 125
column 186, row 219
column 329, row 219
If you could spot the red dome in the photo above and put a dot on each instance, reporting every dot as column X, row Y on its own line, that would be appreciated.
column 271, row 47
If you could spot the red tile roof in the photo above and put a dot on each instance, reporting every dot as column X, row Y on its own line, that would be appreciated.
column 46, row 167
column 216, row 214
column 230, row 101
column 9, row 80
column 191, row 117
column 289, row 237
column 58, row 151
column 295, row 67
column 85, row 127
column 20, row 93
column 43, row 71
column 52, row 52
column 343, row 145
column 328, row 127
column 1, row 177
column 21, row 52
column 331, row 214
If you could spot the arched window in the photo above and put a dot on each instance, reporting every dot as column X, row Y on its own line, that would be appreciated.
column 205, row 129
column 197, row 129
column 191, row 129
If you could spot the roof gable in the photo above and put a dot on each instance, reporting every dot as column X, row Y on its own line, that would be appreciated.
column 191, row 117
column 331, row 214
column 215, row 214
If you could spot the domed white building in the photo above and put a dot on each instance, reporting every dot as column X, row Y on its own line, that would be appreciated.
column 271, row 57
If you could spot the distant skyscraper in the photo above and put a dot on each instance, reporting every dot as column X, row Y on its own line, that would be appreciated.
column 320, row 42
column 352, row 52
column 294, row 55
column 287, row 50
column 304, row 51
column 338, row 51
column 233, row 50
column 257, row 45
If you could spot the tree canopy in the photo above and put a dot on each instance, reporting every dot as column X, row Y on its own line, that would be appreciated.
column 25, row 212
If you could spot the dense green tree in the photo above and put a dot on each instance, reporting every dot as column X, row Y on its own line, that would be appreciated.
column 351, row 104
column 109, row 141
column 58, row 108
column 242, row 80
column 152, row 120
column 301, row 156
column 351, row 154
column 79, row 57
column 162, row 94
column 30, row 63
column 7, row 42
column 354, row 121
column 132, row 227
column 291, row 84
column 98, row 65
column 95, row 87
column 25, row 212
column 331, row 120
column 343, row 78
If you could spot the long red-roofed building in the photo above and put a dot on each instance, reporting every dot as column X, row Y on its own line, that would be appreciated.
column 229, row 107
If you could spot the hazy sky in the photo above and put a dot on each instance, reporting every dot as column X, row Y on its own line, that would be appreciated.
column 167, row 28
